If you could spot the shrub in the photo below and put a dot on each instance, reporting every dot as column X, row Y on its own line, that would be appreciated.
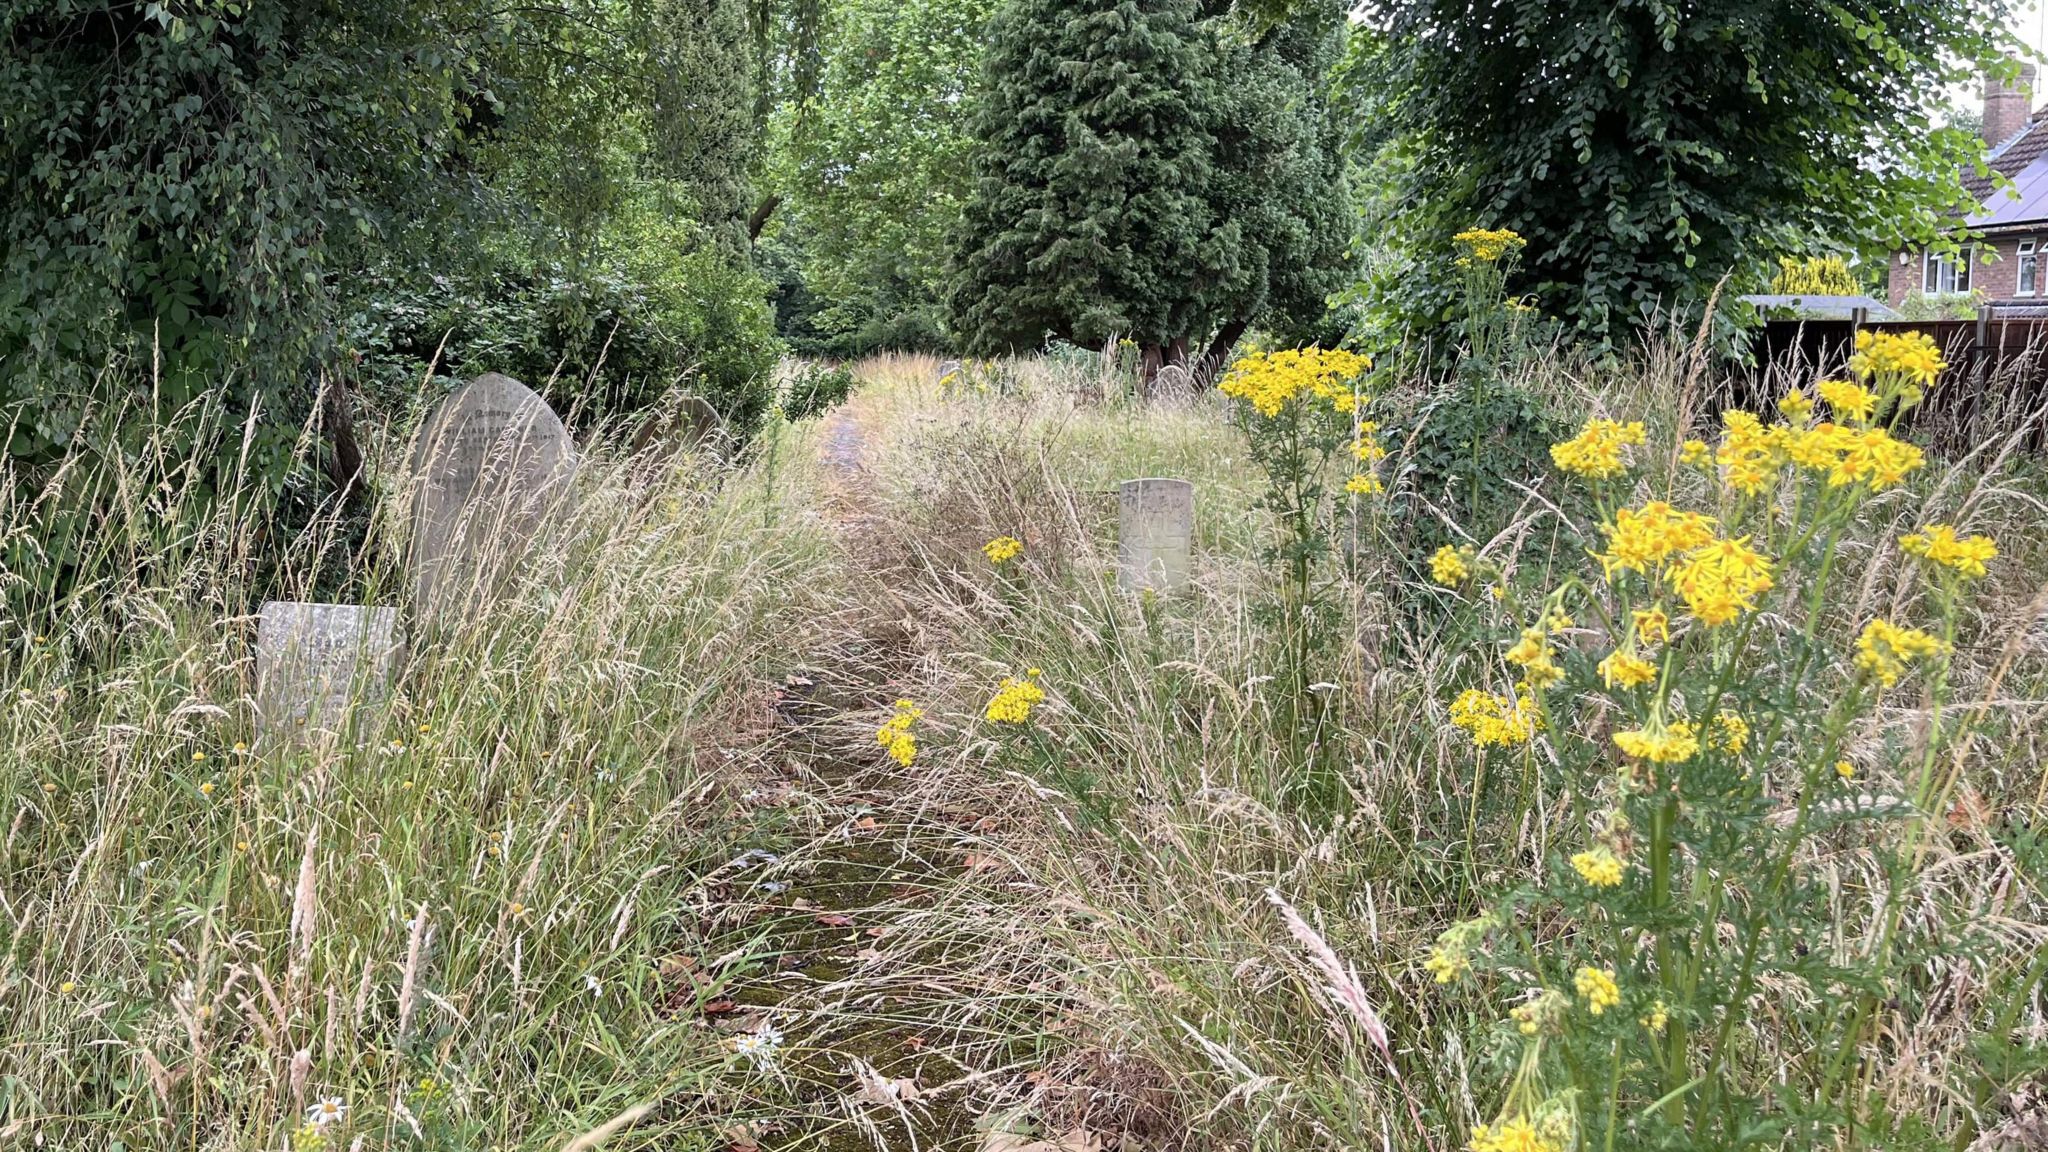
column 1815, row 276
column 604, row 341
column 815, row 389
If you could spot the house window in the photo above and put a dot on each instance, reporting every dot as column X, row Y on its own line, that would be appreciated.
column 2029, row 268
column 1947, row 275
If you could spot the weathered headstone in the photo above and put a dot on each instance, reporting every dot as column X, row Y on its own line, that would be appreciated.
column 1172, row 382
column 948, row 369
column 320, row 665
column 490, row 465
column 1155, row 534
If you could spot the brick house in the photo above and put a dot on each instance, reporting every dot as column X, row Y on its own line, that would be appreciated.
column 2004, row 265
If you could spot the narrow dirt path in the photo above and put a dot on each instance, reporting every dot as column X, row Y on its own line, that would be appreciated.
column 876, row 996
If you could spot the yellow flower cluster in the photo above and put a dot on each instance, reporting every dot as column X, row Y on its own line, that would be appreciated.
column 1909, row 359
column 1730, row 733
column 1625, row 669
column 1750, row 453
column 1014, row 699
column 1851, row 402
column 1532, row 655
column 1269, row 380
column 1598, row 987
column 1722, row 580
column 1796, row 406
column 1656, row 1018
column 1545, row 1013
column 1884, row 649
column 1512, row 1135
column 1660, row 744
column 1652, row 625
column 1450, row 566
column 1503, row 721
column 1487, row 246
column 1596, row 452
column 1939, row 544
column 1451, row 956
column 1852, row 456
column 895, row 735
column 1002, row 549
column 1367, row 450
column 1643, row 539
column 1599, row 866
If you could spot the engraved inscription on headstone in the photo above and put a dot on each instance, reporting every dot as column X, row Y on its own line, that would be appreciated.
column 491, row 463
column 1155, row 534
column 319, row 665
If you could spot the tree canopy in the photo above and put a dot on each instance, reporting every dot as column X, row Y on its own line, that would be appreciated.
column 1148, row 170
column 1648, row 148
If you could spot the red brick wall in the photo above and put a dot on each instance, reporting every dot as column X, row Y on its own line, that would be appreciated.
column 1995, row 272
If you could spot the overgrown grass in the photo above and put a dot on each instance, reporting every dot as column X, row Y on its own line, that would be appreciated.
column 1168, row 814
column 499, row 919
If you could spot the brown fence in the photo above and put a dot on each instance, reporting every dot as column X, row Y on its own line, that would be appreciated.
column 1995, row 385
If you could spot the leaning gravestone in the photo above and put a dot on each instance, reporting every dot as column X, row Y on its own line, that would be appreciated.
column 491, row 464
column 1155, row 534
column 320, row 665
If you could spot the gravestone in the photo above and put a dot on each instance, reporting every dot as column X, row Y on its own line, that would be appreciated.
column 1155, row 534
column 1172, row 382
column 948, row 369
column 318, row 666
column 491, row 464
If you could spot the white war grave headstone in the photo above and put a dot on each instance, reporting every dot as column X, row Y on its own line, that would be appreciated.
column 1155, row 534
column 491, row 464
column 318, row 666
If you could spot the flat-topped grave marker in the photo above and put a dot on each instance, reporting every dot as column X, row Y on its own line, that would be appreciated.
column 491, row 464
column 318, row 666
column 1155, row 534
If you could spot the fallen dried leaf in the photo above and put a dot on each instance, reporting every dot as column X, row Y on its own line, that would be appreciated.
column 835, row 920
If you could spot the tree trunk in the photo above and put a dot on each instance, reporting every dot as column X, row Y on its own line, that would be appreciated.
column 1210, row 366
column 1151, row 358
column 345, row 465
column 762, row 211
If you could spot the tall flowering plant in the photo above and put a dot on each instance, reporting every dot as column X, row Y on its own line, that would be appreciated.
column 1713, row 720
column 1306, row 411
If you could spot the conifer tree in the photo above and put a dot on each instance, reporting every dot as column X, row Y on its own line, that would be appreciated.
column 1143, row 173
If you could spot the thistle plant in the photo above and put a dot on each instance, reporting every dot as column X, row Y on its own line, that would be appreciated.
column 1306, row 408
column 1713, row 720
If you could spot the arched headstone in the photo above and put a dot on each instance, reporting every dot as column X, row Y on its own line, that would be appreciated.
column 491, row 464
column 1155, row 534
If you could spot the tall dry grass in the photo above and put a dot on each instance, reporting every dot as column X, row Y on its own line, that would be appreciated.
column 1155, row 806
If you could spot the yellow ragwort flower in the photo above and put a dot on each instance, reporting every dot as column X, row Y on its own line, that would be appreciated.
column 1797, row 405
column 1729, row 733
column 1885, row 649
column 1598, row 987
column 1695, row 454
column 1845, row 770
column 1511, row 1135
column 1851, row 402
column 895, row 735
column 1624, row 669
column 1652, row 625
column 1658, row 743
column 1643, row 539
column 1014, row 699
column 1364, row 484
column 1532, row 655
column 1450, row 566
column 1909, row 361
column 1270, row 380
column 1596, row 452
column 1502, row 721
column 1750, row 453
column 1656, row 1018
column 1720, row 581
column 1487, row 246
column 1599, row 866
column 1939, row 544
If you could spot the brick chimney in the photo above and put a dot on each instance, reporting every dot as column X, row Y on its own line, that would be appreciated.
column 2007, row 105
